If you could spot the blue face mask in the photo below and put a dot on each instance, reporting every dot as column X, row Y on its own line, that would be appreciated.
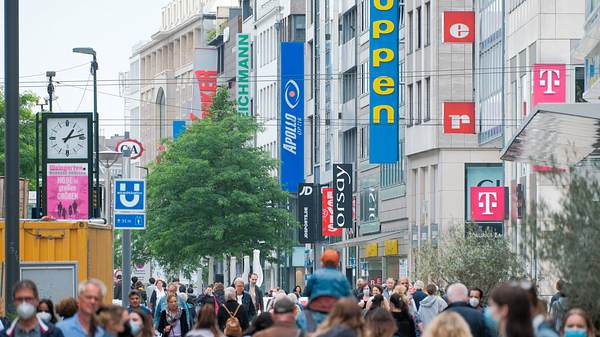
column 135, row 327
column 490, row 322
column 575, row 333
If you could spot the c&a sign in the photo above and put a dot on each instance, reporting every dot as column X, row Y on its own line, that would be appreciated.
column 384, row 82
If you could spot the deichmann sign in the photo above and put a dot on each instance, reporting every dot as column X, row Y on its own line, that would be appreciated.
column 307, row 212
column 342, row 185
column 384, row 82
column 292, row 115
column 243, row 70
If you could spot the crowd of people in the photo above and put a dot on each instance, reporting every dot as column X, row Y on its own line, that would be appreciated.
column 327, row 307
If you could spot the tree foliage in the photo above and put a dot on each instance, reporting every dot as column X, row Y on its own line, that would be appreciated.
column 476, row 258
column 568, row 238
column 26, row 136
column 212, row 193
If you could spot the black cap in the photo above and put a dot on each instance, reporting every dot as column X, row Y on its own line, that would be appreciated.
column 283, row 305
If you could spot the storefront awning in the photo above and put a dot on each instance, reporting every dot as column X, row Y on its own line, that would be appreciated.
column 363, row 239
column 556, row 135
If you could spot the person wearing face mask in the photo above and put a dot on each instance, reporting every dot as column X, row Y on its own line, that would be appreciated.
column 140, row 324
column 45, row 311
column 509, row 312
column 26, row 298
column 476, row 299
column 577, row 324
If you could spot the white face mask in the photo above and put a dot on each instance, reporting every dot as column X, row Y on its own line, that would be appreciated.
column 25, row 310
column 44, row 316
column 474, row 302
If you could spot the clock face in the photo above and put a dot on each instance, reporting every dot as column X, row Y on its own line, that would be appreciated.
column 67, row 138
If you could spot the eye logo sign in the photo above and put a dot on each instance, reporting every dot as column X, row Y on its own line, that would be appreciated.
column 292, row 94
column 459, row 27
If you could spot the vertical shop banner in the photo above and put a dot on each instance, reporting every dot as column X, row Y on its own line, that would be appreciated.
column 292, row 115
column 205, row 72
column 384, row 82
column 327, row 225
column 308, row 213
column 242, row 73
column 481, row 175
column 459, row 27
column 487, row 203
column 67, row 190
column 459, row 117
column 549, row 83
column 342, row 185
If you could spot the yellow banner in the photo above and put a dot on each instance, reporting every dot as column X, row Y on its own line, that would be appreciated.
column 391, row 247
column 372, row 250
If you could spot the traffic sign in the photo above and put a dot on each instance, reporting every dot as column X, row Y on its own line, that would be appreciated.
column 133, row 145
column 130, row 221
column 130, row 195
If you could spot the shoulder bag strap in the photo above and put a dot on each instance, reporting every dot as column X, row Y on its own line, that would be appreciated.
column 236, row 310
column 229, row 312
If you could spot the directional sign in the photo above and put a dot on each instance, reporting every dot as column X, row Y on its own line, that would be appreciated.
column 130, row 195
column 130, row 221
column 133, row 145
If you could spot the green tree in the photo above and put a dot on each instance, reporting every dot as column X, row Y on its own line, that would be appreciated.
column 212, row 193
column 476, row 258
column 26, row 136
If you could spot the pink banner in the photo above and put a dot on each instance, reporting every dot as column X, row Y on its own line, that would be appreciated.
column 67, row 191
column 549, row 83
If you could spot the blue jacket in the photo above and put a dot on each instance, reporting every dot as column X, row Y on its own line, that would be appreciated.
column 327, row 282
column 162, row 304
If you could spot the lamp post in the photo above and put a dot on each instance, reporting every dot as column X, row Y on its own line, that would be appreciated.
column 108, row 159
column 93, row 70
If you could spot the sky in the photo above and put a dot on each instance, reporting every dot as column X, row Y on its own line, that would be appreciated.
column 50, row 29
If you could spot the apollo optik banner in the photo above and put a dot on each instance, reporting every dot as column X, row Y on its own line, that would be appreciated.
column 292, row 115
column 384, row 82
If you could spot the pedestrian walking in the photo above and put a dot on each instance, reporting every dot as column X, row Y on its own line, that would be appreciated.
column 448, row 324
column 297, row 291
column 577, row 324
column 390, row 284
column 150, row 290
column 67, row 308
column 173, row 321
column 558, row 309
column 284, row 322
column 380, row 323
column 458, row 297
column 25, row 295
column 113, row 319
column 476, row 299
column 509, row 310
column 209, row 299
column 323, row 288
column 232, row 309
column 374, row 303
column 255, row 293
column 541, row 327
column 263, row 321
column 359, row 292
column 431, row 306
column 90, row 294
column 419, row 294
column 244, row 298
column 560, row 285
column 135, row 303
column 206, row 324
column 344, row 320
column 404, row 322
column 140, row 324
column 162, row 304
column 157, row 295
column 118, row 288
column 45, row 311
column 219, row 292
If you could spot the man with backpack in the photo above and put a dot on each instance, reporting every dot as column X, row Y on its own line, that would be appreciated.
column 284, row 322
column 233, row 317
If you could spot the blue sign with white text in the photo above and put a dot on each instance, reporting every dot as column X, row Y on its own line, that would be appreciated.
column 292, row 115
column 130, row 221
column 130, row 195
column 384, row 82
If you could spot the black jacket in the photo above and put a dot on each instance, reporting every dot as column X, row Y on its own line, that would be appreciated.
column 182, row 321
column 220, row 295
column 242, row 314
column 259, row 297
column 248, row 305
column 405, row 324
column 472, row 316
column 418, row 296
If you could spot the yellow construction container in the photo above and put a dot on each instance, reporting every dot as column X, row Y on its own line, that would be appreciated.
column 89, row 245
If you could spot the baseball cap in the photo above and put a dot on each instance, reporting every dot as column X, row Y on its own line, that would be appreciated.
column 330, row 257
column 283, row 305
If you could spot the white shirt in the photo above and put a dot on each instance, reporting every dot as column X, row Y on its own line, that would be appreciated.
column 239, row 298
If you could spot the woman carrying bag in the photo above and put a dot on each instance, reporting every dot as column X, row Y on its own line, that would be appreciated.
column 173, row 320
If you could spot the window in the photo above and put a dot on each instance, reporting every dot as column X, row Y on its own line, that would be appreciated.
column 364, row 142
column 427, row 23
column 364, row 20
column 419, row 103
column 409, row 104
column 427, row 99
column 393, row 174
column 349, row 85
column 419, row 40
column 364, row 78
column 369, row 199
column 298, row 32
column 349, row 146
column 410, row 31
column 348, row 25
column 579, row 84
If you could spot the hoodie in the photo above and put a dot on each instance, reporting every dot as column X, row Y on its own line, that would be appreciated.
column 430, row 307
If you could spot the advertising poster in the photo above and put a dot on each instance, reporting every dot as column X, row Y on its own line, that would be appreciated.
column 292, row 115
column 205, row 71
column 67, row 191
column 342, row 182
column 327, row 226
column 308, row 214
column 384, row 83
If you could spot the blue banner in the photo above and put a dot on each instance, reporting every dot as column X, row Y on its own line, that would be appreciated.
column 292, row 115
column 384, row 82
column 179, row 128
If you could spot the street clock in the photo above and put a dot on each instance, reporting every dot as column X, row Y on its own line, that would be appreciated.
column 67, row 137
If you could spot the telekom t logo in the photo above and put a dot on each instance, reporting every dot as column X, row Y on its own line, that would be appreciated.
column 549, row 78
column 487, row 203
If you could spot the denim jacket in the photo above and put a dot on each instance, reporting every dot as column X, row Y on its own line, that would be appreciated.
column 327, row 282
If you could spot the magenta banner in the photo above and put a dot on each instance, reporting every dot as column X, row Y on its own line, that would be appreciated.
column 67, row 191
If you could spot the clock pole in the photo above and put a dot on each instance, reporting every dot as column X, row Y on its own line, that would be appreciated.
column 96, row 138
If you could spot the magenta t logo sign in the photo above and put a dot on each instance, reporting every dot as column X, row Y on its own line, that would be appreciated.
column 487, row 203
column 549, row 83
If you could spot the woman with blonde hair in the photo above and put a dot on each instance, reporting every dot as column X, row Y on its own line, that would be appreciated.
column 448, row 324
column 345, row 319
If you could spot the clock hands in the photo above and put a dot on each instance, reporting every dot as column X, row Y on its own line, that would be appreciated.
column 68, row 136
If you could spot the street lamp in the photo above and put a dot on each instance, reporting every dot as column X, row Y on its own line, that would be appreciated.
column 108, row 159
column 93, row 70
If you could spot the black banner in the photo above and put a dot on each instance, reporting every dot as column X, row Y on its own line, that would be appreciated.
column 308, row 213
column 342, row 195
